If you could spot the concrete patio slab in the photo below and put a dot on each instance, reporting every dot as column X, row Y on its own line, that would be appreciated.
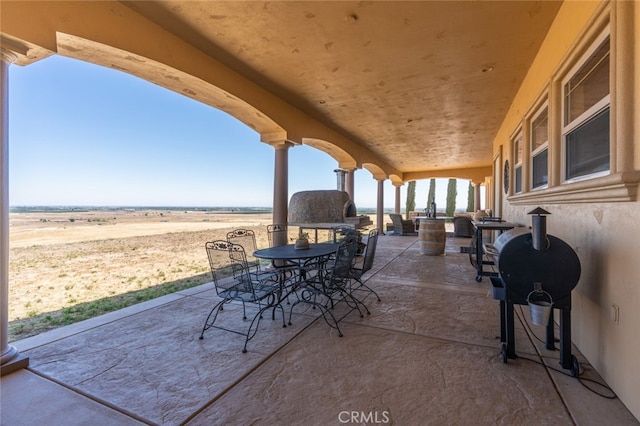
column 158, row 354
column 428, row 353
column 30, row 399
column 407, row 378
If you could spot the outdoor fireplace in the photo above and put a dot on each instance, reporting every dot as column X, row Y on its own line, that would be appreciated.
column 324, row 209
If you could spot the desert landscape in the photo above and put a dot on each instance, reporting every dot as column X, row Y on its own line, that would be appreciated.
column 66, row 266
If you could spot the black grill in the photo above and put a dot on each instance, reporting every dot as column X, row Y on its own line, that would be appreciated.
column 532, row 266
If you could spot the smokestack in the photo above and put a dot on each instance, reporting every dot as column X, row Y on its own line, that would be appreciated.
column 341, row 179
column 539, row 228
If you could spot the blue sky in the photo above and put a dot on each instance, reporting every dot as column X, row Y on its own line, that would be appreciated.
column 82, row 134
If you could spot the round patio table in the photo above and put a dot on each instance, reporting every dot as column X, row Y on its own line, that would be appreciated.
column 289, row 252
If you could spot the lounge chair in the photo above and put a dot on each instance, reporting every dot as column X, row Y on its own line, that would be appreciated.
column 462, row 227
column 402, row 226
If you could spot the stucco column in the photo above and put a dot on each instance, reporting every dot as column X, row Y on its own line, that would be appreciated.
column 9, row 353
column 350, row 182
column 340, row 173
column 281, row 189
column 380, row 207
column 396, row 208
column 476, row 196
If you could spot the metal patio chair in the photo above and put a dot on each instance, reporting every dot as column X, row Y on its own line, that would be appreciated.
column 277, row 229
column 342, row 231
column 247, row 239
column 235, row 281
column 273, row 231
column 364, row 264
column 328, row 285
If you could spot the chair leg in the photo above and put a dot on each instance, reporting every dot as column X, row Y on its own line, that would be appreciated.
column 217, row 308
column 372, row 291
column 276, row 304
column 310, row 297
column 256, row 320
column 250, row 335
column 356, row 302
column 369, row 289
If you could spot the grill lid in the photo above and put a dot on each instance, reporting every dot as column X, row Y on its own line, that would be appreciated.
column 521, row 266
column 507, row 236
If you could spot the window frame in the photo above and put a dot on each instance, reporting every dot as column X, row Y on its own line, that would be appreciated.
column 590, row 113
column 518, row 163
column 536, row 151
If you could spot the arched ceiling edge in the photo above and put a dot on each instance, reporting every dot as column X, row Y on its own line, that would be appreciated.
column 474, row 174
column 344, row 159
column 376, row 171
column 167, row 77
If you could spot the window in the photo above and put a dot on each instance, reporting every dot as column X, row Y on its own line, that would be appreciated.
column 586, row 116
column 586, row 152
column 539, row 149
column 517, row 164
column 569, row 140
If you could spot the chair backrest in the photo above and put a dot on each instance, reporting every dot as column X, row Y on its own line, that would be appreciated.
column 247, row 239
column 400, row 225
column 398, row 221
column 370, row 251
column 275, row 232
column 227, row 263
column 462, row 226
column 342, row 231
column 344, row 256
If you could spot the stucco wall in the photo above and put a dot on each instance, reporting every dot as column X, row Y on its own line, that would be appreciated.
column 606, row 236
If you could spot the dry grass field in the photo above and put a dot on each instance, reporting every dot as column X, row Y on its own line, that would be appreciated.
column 68, row 266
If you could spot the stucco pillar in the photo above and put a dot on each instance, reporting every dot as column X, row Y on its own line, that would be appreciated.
column 396, row 208
column 10, row 360
column 380, row 207
column 281, row 189
column 340, row 174
column 350, row 183
column 476, row 196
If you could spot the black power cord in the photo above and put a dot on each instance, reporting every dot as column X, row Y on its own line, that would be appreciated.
column 576, row 371
column 582, row 380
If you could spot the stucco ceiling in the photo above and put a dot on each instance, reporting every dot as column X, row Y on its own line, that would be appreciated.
column 423, row 84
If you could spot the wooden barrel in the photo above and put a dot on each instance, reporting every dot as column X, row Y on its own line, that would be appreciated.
column 432, row 236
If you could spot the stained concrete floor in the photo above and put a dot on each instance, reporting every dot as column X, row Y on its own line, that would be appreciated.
column 429, row 353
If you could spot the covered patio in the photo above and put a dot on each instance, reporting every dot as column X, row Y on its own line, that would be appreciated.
column 428, row 354
column 495, row 92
